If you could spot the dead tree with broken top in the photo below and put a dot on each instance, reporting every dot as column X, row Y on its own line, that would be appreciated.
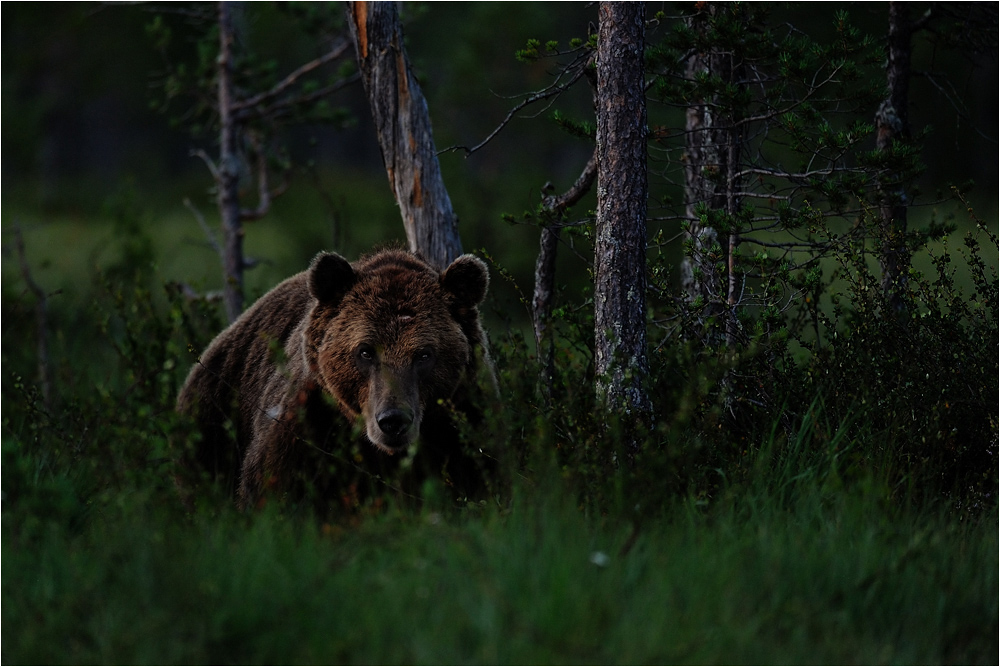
column 403, row 125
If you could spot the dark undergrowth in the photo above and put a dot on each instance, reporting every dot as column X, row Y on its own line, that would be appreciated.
column 830, row 500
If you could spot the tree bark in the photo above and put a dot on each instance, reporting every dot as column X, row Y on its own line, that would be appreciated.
column 711, row 161
column 404, row 132
column 620, row 248
column 893, row 126
column 699, row 276
column 227, row 174
column 541, row 306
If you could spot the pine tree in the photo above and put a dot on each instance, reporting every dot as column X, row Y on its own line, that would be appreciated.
column 620, row 245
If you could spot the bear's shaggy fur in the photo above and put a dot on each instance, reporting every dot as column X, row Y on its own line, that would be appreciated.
column 388, row 343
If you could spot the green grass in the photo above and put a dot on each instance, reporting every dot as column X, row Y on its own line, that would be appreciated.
column 830, row 579
column 852, row 520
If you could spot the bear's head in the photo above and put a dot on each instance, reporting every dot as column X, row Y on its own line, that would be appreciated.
column 389, row 336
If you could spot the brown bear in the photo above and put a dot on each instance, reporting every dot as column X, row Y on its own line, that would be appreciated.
column 388, row 343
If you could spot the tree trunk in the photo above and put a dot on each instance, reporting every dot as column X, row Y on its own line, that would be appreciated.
column 893, row 125
column 708, row 275
column 228, row 174
column 404, row 132
column 541, row 306
column 712, row 157
column 545, row 270
column 620, row 248
column 703, row 157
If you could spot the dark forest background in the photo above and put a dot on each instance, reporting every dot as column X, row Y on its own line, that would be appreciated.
column 81, row 87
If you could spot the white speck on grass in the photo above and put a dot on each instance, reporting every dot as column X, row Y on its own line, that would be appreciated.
column 600, row 559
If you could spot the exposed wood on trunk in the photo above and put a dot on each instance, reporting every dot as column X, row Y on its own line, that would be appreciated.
column 404, row 132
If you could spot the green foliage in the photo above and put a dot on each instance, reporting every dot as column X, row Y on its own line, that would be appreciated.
column 187, row 83
column 576, row 128
column 530, row 52
column 131, row 241
column 789, row 568
column 784, row 506
column 930, row 374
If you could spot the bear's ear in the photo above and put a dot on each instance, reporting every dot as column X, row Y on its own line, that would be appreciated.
column 330, row 278
column 466, row 280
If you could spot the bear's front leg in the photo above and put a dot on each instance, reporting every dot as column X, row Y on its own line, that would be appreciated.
column 265, row 465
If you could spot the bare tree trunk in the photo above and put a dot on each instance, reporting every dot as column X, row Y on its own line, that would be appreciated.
column 699, row 275
column 541, row 306
column 227, row 175
column 243, row 150
column 404, row 132
column 553, row 208
column 733, row 146
column 545, row 269
column 893, row 125
column 620, row 248
column 708, row 271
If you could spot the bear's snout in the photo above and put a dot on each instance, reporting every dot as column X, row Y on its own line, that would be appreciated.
column 395, row 422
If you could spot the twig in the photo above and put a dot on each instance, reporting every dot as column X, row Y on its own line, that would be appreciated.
column 244, row 107
column 960, row 108
column 264, row 192
column 284, row 107
column 558, row 204
column 552, row 91
column 212, row 241
column 191, row 294
column 199, row 153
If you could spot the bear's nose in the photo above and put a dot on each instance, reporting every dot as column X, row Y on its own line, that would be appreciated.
column 394, row 422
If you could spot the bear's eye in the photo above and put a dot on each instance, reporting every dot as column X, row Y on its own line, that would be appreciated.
column 366, row 353
column 423, row 358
